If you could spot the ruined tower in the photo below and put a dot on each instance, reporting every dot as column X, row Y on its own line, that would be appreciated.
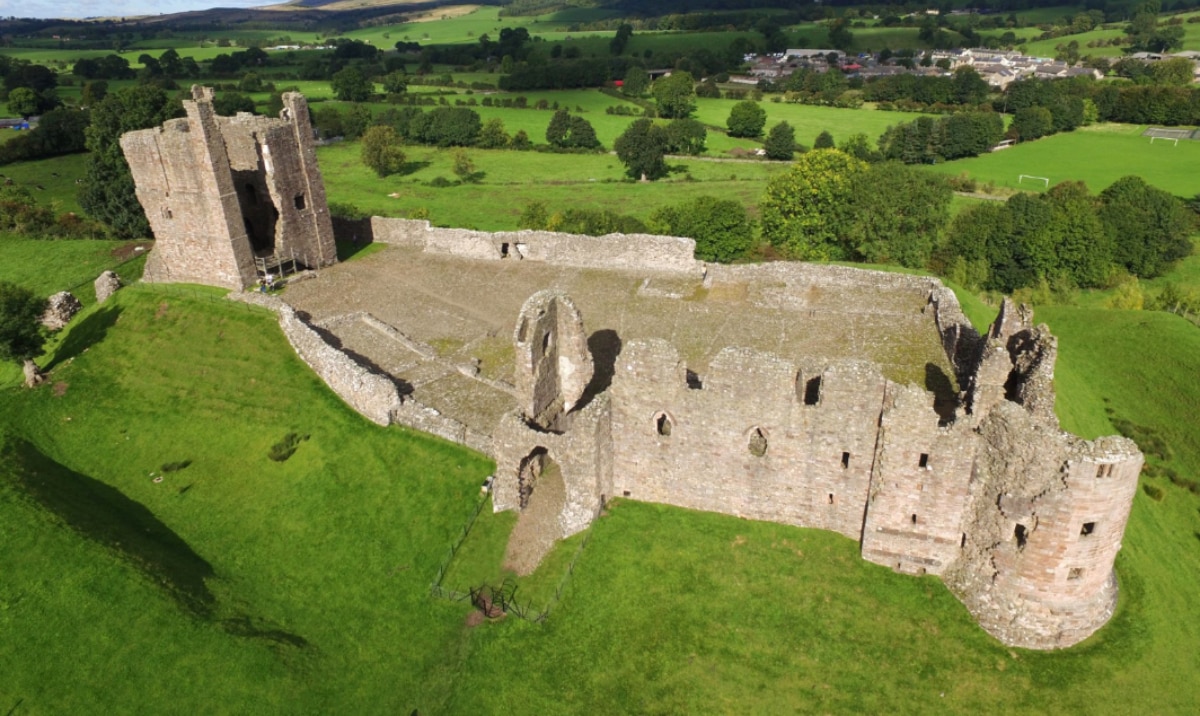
column 228, row 197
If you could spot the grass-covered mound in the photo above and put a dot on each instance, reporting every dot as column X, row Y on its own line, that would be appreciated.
column 317, row 568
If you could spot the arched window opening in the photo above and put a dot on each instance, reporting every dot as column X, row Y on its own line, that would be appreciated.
column 663, row 425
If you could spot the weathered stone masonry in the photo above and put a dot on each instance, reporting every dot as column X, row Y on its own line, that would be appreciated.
column 221, row 191
column 1021, row 520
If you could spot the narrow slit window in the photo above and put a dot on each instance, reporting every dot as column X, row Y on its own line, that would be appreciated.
column 845, row 460
column 1021, row 535
column 914, row 519
column 1087, row 529
column 963, row 544
column 831, row 498
column 812, row 391
column 924, row 460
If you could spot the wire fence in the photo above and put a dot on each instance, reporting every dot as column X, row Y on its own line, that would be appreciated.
column 498, row 600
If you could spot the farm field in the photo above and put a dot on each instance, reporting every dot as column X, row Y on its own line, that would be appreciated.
column 318, row 568
column 563, row 181
column 809, row 120
column 1098, row 156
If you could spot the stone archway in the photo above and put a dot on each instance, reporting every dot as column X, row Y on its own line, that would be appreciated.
column 542, row 497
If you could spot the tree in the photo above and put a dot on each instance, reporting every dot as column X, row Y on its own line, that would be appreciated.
column 781, row 143
column 746, row 119
column 382, row 152
column 521, row 141
column 493, row 136
column 1145, row 34
column 395, row 83
column 636, row 81
column 24, row 101
column 464, row 168
column 721, row 227
column 1032, row 123
column 21, row 336
column 807, row 209
column 839, row 34
column 675, row 95
column 686, row 136
column 107, row 192
column 1148, row 226
column 447, row 127
column 617, row 45
column 350, row 85
column 251, row 82
column 824, row 140
column 899, row 213
column 567, row 131
column 641, row 149
column 228, row 104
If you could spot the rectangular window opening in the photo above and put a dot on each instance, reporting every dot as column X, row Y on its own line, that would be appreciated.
column 504, row 250
column 914, row 519
column 693, row 380
column 924, row 461
column 1021, row 534
column 812, row 391
column 845, row 460
column 831, row 498
column 1075, row 573
column 299, row 202
column 1087, row 529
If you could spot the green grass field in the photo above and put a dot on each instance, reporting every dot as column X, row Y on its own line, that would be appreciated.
column 316, row 598
column 563, row 181
column 1096, row 155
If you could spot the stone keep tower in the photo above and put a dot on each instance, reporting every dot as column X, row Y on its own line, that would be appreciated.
column 223, row 193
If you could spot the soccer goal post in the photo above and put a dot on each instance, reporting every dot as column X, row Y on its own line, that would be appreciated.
column 1166, row 139
column 1044, row 180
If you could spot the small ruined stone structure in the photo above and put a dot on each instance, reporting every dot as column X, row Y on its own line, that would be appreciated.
column 229, row 198
column 855, row 401
column 60, row 309
column 106, row 284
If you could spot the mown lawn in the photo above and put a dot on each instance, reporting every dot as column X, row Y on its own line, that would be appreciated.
column 320, row 565
column 1097, row 157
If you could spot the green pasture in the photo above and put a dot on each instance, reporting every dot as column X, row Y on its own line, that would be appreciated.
column 809, row 120
column 50, row 181
column 238, row 583
column 563, row 181
column 1098, row 157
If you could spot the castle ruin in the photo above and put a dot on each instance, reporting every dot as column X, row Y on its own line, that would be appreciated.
column 835, row 398
column 231, row 199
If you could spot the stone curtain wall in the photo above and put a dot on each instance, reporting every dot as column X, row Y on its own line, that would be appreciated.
column 640, row 252
column 372, row 395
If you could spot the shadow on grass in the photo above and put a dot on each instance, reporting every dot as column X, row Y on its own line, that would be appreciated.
column 85, row 334
column 104, row 515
